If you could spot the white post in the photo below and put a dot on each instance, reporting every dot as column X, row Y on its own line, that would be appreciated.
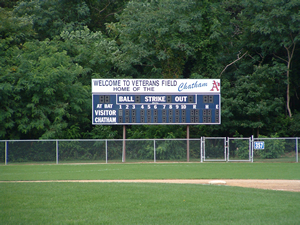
column 250, row 152
column 124, row 144
column 106, row 150
column 154, row 152
column 252, row 147
column 201, row 151
column 5, row 152
column 56, row 151
column 204, row 150
column 297, row 149
column 188, row 143
column 226, row 149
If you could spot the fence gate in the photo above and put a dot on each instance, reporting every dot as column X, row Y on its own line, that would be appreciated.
column 214, row 148
column 239, row 149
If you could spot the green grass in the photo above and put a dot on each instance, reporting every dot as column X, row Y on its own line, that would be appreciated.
column 152, row 171
column 146, row 203
column 119, row 203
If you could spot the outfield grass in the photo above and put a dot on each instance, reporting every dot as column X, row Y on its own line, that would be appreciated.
column 152, row 171
column 119, row 203
column 146, row 203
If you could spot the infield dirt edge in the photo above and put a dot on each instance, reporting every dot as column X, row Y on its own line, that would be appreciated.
column 279, row 185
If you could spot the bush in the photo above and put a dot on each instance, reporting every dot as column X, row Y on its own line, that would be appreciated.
column 273, row 148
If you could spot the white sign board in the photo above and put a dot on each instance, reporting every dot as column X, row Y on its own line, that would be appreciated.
column 259, row 145
column 162, row 86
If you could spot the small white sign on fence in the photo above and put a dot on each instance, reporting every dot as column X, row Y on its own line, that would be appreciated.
column 259, row 145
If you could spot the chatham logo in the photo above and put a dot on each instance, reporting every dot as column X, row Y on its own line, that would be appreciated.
column 216, row 86
column 186, row 86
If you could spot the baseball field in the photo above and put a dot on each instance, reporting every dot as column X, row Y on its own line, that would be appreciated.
column 150, row 193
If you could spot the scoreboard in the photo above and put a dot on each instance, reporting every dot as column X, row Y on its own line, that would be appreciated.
column 156, row 101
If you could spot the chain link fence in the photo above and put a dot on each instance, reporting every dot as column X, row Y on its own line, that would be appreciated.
column 214, row 148
column 239, row 149
column 275, row 149
column 223, row 149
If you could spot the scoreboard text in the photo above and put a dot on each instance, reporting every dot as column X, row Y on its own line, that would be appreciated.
column 156, row 101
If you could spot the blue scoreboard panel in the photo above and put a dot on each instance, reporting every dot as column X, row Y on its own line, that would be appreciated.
column 156, row 101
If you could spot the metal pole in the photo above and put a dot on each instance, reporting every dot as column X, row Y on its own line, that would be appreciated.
column 106, row 150
column 124, row 144
column 297, row 149
column 154, row 152
column 250, row 152
column 56, row 151
column 5, row 152
column 188, row 143
column 226, row 149
column 203, row 143
column 201, row 151
column 252, row 143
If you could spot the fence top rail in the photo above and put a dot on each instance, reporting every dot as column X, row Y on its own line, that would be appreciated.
column 54, row 140
column 214, row 137
column 244, row 138
column 289, row 138
column 152, row 139
column 28, row 140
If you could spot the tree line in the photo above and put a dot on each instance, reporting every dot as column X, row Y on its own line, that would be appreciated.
column 50, row 50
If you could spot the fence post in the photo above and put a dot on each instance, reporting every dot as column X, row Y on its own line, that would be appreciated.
column 252, row 147
column 56, row 151
column 227, row 149
column 296, row 149
column 154, row 150
column 201, row 150
column 106, row 151
column 188, row 143
column 250, row 152
column 6, row 152
column 124, row 144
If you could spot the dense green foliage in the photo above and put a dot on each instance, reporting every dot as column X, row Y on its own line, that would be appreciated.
column 50, row 50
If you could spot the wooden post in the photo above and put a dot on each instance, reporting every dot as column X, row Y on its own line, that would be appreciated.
column 124, row 144
column 188, row 143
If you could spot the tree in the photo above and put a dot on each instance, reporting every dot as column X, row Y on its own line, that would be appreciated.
column 8, row 4
column 273, row 26
column 103, row 12
column 45, row 85
column 93, row 51
column 252, row 102
column 41, row 94
column 164, row 38
column 14, row 31
column 259, row 45
column 51, row 17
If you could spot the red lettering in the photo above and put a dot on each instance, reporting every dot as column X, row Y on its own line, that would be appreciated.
column 215, row 86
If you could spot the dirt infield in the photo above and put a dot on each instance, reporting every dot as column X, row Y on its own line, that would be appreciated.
column 279, row 185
